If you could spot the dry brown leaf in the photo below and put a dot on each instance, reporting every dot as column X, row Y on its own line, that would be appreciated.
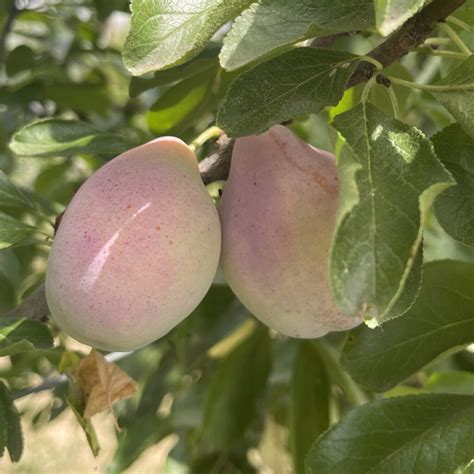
column 102, row 383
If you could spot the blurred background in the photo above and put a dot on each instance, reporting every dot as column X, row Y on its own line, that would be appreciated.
column 215, row 395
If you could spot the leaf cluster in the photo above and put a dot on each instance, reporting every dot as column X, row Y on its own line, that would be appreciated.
column 76, row 89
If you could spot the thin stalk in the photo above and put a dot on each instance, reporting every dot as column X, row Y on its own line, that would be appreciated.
column 432, row 88
column 437, row 41
column 460, row 23
column 354, row 394
column 211, row 132
column 378, row 65
column 366, row 91
column 334, row 410
column 455, row 38
column 444, row 53
column 394, row 101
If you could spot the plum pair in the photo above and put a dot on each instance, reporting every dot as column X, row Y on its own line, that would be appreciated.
column 139, row 244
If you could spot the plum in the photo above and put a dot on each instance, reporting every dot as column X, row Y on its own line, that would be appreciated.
column 278, row 214
column 137, row 249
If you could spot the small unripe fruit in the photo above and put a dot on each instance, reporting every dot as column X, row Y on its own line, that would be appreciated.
column 137, row 249
column 278, row 213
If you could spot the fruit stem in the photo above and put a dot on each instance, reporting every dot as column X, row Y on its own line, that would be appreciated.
column 444, row 53
column 354, row 394
column 365, row 92
column 211, row 132
column 456, row 39
column 432, row 88
column 378, row 65
column 394, row 101
column 460, row 23
column 437, row 41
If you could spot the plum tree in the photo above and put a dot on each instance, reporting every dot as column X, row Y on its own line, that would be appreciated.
column 137, row 248
column 278, row 213
column 386, row 86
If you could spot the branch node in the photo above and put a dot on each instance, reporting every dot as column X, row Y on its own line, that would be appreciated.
column 383, row 80
column 216, row 166
column 410, row 35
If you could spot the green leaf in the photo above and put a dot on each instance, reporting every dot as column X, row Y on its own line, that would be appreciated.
column 7, row 293
column 10, row 425
column 233, row 393
column 58, row 137
column 180, row 101
column 413, row 434
column 272, row 25
column 88, row 428
column 146, row 431
column 311, row 390
column 467, row 469
column 14, row 233
column 464, row 12
column 301, row 81
column 87, row 97
column 453, row 381
column 455, row 206
column 142, row 426
column 391, row 14
column 411, row 288
column 168, row 76
column 165, row 33
column 106, row 7
column 3, row 428
column 58, row 183
column 20, row 59
column 460, row 103
column 439, row 245
column 441, row 318
column 389, row 176
column 11, row 196
column 19, row 335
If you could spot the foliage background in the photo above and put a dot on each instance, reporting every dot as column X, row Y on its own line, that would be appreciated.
column 225, row 394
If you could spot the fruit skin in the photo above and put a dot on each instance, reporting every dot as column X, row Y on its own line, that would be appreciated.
column 278, row 213
column 137, row 249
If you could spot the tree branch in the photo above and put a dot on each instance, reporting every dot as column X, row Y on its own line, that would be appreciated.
column 413, row 33
column 34, row 307
column 216, row 166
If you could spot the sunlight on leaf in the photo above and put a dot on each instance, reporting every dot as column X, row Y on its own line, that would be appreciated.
column 167, row 33
column 299, row 82
column 391, row 14
column 379, row 226
column 271, row 26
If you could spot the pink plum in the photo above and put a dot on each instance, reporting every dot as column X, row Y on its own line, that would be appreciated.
column 137, row 249
column 278, row 213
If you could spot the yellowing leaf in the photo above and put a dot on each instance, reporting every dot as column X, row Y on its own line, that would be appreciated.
column 102, row 384
column 69, row 362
